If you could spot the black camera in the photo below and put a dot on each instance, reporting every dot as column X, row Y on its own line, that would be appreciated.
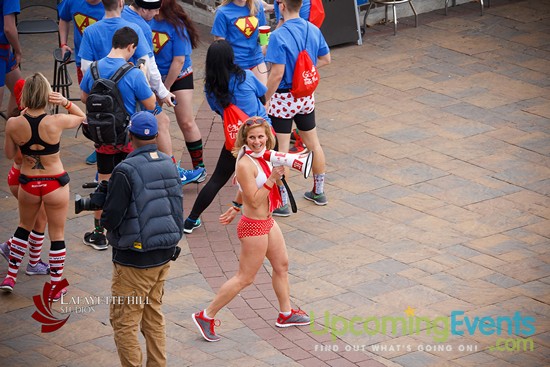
column 94, row 202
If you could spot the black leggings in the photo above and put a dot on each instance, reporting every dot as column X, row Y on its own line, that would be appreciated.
column 222, row 173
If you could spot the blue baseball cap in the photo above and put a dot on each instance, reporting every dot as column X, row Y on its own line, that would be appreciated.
column 143, row 125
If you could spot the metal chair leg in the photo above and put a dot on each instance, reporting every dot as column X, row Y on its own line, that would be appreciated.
column 366, row 15
column 394, row 20
column 415, row 14
column 446, row 5
column 481, row 2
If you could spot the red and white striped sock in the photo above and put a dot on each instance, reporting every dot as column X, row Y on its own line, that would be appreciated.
column 18, row 248
column 35, row 247
column 57, row 264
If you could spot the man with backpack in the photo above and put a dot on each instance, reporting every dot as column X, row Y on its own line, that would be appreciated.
column 131, row 88
column 286, row 102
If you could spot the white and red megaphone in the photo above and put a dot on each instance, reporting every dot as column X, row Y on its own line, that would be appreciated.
column 300, row 162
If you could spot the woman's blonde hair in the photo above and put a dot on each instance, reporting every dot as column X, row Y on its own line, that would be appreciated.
column 251, row 4
column 36, row 92
column 249, row 124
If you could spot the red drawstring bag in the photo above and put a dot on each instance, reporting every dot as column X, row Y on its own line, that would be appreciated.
column 317, row 12
column 233, row 118
column 305, row 78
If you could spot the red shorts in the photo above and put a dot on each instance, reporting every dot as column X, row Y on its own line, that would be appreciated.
column 254, row 227
column 43, row 185
column 13, row 176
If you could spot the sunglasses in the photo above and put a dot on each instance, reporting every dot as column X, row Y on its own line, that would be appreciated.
column 255, row 121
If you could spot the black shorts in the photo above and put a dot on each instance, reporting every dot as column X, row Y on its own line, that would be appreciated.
column 107, row 162
column 183, row 83
column 303, row 123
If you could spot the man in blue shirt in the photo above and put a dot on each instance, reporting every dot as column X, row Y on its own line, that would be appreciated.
column 285, row 44
column 133, row 89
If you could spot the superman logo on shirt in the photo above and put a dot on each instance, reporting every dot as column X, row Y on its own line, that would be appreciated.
column 247, row 25
column 160, row 39
column 82, row 21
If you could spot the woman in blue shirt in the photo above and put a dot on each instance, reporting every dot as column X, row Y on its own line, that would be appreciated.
column 225, row 83
column 237, row 21
column 174, row 38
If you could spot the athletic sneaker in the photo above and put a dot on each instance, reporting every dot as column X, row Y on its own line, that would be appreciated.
column 299, row 146
column 203, row 174
column 5, row 251
column 296, row 318
column 7, row 285
column 283, row 211
column 58, row 295
column 293, row 134
column 189, row 225
column 187, row 175
column 206, row 326
column 319, row 199
column 41, row 268
column 95, row 239
column 92, row 158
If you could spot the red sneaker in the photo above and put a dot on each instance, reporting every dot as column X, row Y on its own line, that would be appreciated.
column 57, row 297
column 206, row 326
column 296, row 318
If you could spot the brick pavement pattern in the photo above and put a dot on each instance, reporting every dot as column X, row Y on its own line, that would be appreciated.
column 438, row 151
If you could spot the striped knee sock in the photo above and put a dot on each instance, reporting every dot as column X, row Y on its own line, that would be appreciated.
column 19, row 243
column 195, row 151
column 57, row 261
column 35, row 247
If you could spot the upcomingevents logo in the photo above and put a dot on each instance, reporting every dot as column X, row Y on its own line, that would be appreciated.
column 43, row 303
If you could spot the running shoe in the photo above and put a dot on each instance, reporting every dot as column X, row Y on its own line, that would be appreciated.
column 41, row 268
column 319, row 199
column 92, row 158
column 283, row 211
column 206, row 326
column 97, row 240
column 296, row 318
column 189, row 225
column 57, row 296
column 7, row 285
column 187, row 175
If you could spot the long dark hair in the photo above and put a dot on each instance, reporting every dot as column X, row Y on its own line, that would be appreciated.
column 174, row 14
column 220, row 65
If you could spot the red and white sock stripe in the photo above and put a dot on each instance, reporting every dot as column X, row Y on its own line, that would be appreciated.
column 18, row 248
column 35, row 247
column 57, row 264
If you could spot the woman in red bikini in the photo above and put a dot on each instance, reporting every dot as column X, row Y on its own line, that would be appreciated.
column 43, row 179
column 259, row 234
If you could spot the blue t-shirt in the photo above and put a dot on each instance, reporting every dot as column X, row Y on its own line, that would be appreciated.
column 98, row 39
column 133, row 17
column 168, row 43
column 245, row 96
column 8, row 7
column 304, row 10
column 82, row 14
column 235, row 24
column 133, row 86
column 287, row 41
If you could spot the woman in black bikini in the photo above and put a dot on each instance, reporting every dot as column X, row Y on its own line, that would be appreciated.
column 43, row 178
